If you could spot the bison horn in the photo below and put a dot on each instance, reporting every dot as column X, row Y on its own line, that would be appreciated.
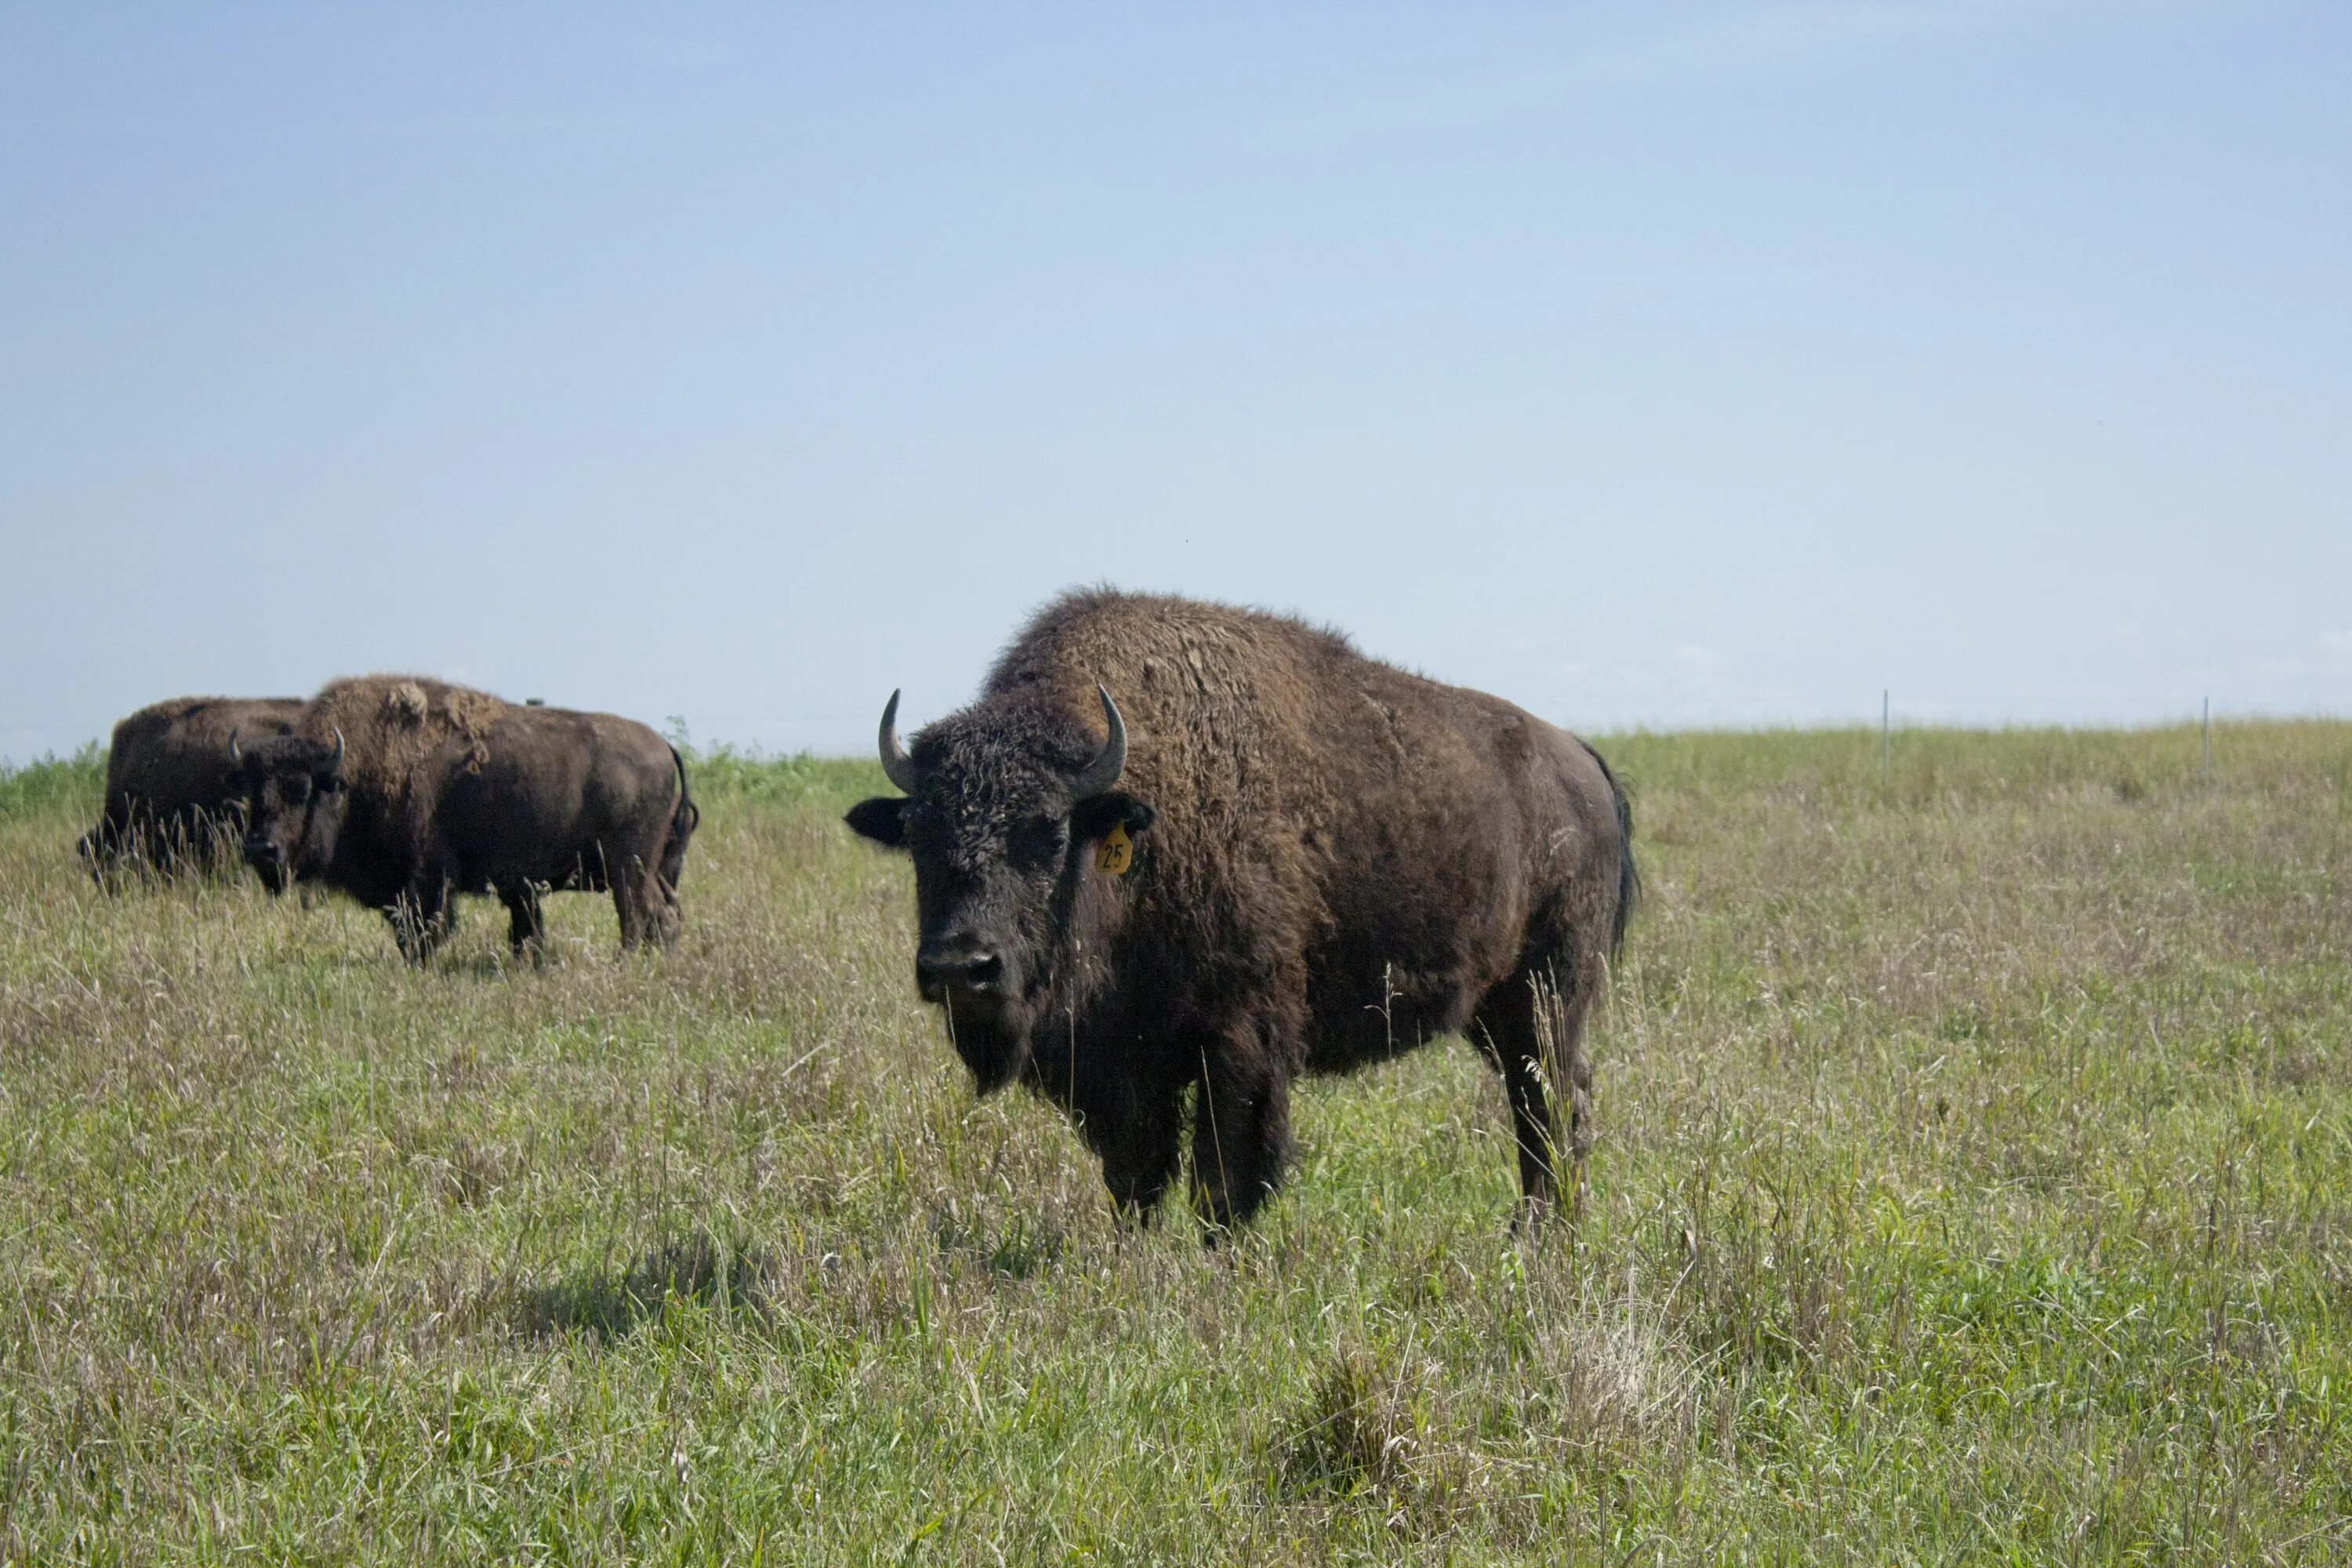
column 1111, row 760
column 894, row 763
column 335, row 762
column 235, row 753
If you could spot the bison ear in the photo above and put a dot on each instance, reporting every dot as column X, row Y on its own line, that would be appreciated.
column 883, row 819
column 1096, row 815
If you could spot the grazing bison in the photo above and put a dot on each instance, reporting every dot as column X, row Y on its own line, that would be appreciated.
column 401, row 792
column 172, row 799
column 1270, row 855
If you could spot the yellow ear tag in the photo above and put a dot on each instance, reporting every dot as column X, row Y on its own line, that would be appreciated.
column 1118, row 851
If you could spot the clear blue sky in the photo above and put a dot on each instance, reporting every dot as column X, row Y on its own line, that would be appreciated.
column 1647, row 364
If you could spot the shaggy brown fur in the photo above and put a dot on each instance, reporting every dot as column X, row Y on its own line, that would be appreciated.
column 170, row 795
column 441, row 790
column 1334, row 860
column 401, row 733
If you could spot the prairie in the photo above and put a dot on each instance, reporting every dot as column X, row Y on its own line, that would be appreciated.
column 1974, row 1184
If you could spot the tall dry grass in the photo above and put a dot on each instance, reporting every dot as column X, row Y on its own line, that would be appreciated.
column 1974, row 1184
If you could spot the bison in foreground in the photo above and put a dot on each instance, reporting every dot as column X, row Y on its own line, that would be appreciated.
column 401, row 792
column 172, row 797
column 1176, row 851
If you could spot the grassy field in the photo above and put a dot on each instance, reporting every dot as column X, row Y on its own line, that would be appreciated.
column 1974, row 1185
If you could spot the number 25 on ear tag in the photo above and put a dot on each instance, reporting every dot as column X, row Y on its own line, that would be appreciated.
column 1118, row 851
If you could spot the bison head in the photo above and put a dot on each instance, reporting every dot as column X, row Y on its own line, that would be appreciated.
column 1007, row 804
column 294, row 799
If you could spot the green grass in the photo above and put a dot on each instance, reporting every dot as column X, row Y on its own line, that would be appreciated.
column 1974, row 1185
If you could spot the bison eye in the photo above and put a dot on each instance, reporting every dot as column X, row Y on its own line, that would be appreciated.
column 1040, row 841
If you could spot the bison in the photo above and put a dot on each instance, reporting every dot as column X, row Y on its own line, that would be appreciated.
column 1176, row 850
column 401, row 791
column 172, row 800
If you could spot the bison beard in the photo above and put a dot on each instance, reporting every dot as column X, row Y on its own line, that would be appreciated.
column 1325, row 861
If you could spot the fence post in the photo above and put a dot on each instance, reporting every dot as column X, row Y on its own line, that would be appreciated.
column 2209, row 737
column 1886, row 738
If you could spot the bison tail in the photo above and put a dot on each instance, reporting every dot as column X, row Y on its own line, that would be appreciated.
column 687, row 817
column 1629, row 877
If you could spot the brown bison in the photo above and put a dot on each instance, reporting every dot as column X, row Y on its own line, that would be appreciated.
column 401, row 791
column 1270, row 855
column 172, row 800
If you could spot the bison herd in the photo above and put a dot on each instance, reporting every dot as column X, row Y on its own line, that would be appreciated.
column 401, row 792
column 1173, row 855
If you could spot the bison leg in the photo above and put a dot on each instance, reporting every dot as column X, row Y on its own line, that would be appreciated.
column 103, row 848
column 1535, row 1033
column 526, row 919
column 648, row 911
column 621, row 874
column 1139, row 1140
column 1241, row 1135
column 421, row 917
